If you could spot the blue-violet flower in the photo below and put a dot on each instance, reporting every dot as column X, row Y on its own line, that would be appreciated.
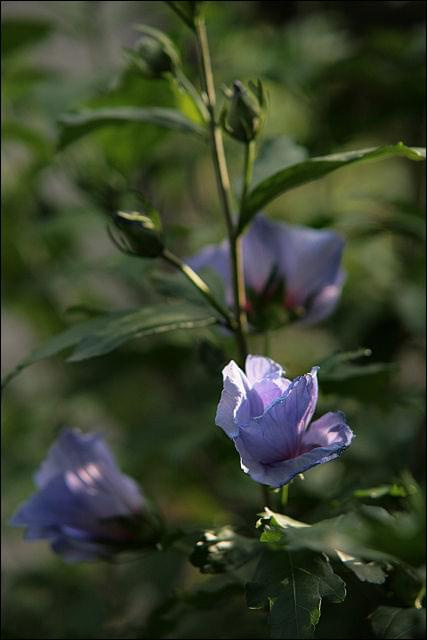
column 85, row 507
column 296, row 267
column 268, row 417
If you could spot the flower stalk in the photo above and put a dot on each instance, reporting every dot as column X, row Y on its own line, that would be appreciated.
column 200, row 285
column 224, row 188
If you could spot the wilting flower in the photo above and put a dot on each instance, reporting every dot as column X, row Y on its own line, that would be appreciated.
column 85, row 507
column 296, row 267
column 268, row 417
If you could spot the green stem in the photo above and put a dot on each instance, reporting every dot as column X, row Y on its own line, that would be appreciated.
column 265, row 495
column 418, row 604
column 248, row 169
column 224, row 189
column 284, row 495
column 200, row 285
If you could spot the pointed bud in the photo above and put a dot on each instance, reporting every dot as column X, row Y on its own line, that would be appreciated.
column 154, row 54
column 142, row 233
column 243, row 117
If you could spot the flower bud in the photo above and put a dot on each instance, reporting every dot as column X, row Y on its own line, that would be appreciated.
column 243, row 118
column 142, row 233
column 154, row 54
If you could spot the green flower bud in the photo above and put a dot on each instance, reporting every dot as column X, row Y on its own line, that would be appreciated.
column 243, row 117
column 154, row 54
column 142, row 234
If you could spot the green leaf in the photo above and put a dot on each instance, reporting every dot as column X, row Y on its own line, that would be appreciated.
column 75, row 125
column 393, row 490
column 313, row 169
column 187, row 10
column 276, row 153
column 340, row 366
column 103, row 334
column 296, row 611
column 223, row 550
column 19, row 132
column 393, row 623
column 370, row 572
column 17, row 33
column 331, row 586
column 348, row 533
column 292, row 585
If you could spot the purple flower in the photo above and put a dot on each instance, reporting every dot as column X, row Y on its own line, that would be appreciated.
column 298, row 267
column 269, row 420
column 84, row 506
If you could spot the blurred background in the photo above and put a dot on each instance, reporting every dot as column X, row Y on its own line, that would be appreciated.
column 340, row 75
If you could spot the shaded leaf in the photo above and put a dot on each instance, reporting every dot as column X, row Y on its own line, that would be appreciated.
column 393, row 623
column 313, row 169
column 348, row 533
column 103, row 334
column 341, row 366
column 394, row 490
column 17, row 33
column 75, row 125
column 223, row 550
column 365, row 571
column 292, row 586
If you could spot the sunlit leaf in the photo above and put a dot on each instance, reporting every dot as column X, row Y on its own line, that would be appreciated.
column 314, row 168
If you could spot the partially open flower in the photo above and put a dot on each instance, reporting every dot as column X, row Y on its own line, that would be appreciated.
column 85, row 507
column 293, row 269
column 268, row 417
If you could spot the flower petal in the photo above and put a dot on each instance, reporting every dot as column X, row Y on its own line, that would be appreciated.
column 264, row 393
column 324, row 302
column 233, row 408
column 73, row 550
column 259, row 252
column 329, row 429
column 217, row 258
column 275, row 435
column 259, row 368
column 309, row 260
column 73, row 450
column 280, row 473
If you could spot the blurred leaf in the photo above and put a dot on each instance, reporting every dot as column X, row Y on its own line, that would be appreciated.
column 408, row 584
column 20, row 33
column 17, row 131
column 276, row 153
column 370, row 533
column 346, row 533
column 339, row 366
column 75, row 125
column 314, row 168
column 393, row 623
column 104, row 334
column 223, row 550
column 394, row 490
column 186, row 10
